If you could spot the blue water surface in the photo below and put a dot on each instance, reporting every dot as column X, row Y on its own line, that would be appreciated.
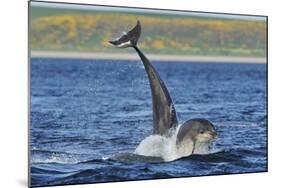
column 84, row 111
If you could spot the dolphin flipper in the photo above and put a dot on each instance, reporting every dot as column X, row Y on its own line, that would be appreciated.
column 164, row 112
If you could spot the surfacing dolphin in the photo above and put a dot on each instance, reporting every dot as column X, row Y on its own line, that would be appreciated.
column 193, row 133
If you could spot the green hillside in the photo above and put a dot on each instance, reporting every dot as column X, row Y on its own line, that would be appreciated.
column 88, row 31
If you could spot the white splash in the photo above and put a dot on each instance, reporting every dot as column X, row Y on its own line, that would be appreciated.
column 165, row 147
column 105, row 158
column 56, row 158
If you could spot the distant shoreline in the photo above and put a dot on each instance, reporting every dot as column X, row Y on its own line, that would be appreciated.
column 155, row 57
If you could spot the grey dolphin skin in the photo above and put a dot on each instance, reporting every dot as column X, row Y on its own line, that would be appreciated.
column 164, row 113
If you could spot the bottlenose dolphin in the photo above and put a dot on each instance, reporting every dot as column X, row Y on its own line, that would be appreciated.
column 191, row 134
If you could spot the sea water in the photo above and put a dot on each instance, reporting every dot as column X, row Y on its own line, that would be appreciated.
column 88, row 118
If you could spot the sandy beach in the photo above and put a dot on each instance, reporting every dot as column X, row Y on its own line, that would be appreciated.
column 155, row 57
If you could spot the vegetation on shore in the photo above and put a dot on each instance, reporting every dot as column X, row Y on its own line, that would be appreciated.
column 89, row 31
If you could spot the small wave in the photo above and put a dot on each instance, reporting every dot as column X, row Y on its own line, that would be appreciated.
column 237, row 125
column 102, row 174
column 56, row 159
column 36, row 170
column 234, row 155
column 93, row 161
column 133, row 158
column 41, row 156
column 221, row 156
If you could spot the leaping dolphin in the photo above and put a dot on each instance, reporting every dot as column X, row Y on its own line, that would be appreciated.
column 193, row 132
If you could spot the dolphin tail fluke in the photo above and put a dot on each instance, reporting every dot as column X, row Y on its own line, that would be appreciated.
column 129, row 39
